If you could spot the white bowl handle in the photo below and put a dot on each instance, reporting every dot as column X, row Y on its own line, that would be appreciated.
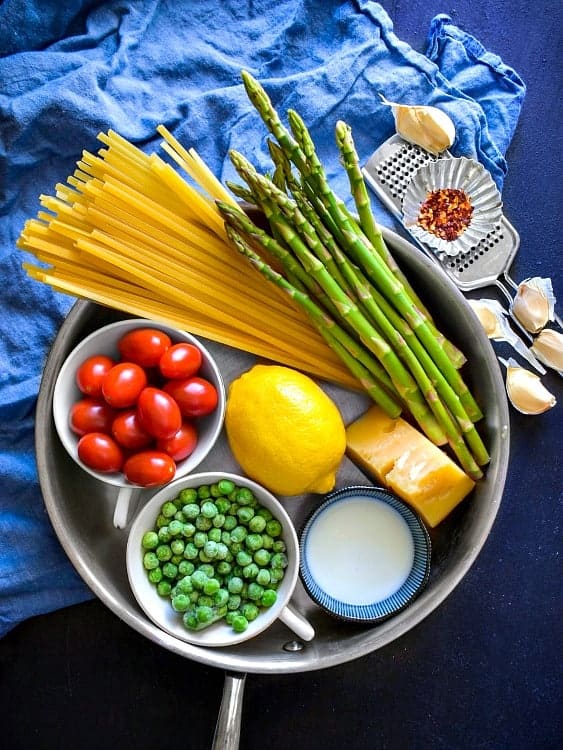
column 296, row 622
column 121, row 512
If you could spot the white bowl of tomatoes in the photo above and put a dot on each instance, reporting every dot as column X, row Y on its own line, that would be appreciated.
column 138, row 403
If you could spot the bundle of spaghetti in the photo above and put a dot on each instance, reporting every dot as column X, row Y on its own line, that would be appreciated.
column 129, row 232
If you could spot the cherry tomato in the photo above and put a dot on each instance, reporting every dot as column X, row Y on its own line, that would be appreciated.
column 180, row 361
column 127, row 431
column 148, row 468
column 144, row 346
column 158, row 413
column 123, row 384
column 91, row 374
column 196, row 397
column 182, row 444
column 91, row 415
column 100, row 452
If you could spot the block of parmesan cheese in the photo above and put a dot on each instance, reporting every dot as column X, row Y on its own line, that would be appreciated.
column 404, row 460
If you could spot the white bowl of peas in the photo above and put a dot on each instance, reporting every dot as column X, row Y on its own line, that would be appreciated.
column 213, row 559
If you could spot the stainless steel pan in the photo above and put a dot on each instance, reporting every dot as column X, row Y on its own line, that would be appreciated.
column 81, row 511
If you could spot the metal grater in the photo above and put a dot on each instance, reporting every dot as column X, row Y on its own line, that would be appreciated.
column 388, row 172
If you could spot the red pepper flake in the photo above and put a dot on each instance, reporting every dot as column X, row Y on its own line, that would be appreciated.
column 446, row 213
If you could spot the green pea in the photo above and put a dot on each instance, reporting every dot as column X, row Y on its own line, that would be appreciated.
column 238, row 534
column 176, row 559
column 253, row 541
column 210, row 549
column 190, row 620
column 245, row 513
column 279, row 546
column 235, row 585
column 245, row 496
column 263, row 577
column 179, row 516
column 239, row 624
column 168, row 509
column 169, row 570
column 250, row 570
column 209, row 509
column 269, row 597
column 199, row 579
column 224, row 568
column 255, row 591
column 214, row 490
column 230, row 616
column 223, row 505
column 188, row 530
column 226, row 486
column 163, row 552
column 175, row 527
column 233, row 509
column 164, row 588
column 264, row 513
column 214, row 535
column 211, row 586
column 221, row 598
column 203, row 557
column 185, row 585
column 243, row 558
column 155, row 575
column 230, row 523
column 274, row 528
column 149, row 540
column 279, row 560
column 164, row 534
column 205, row 600
column 222, row 551
column 190, row 551
column 219, row 520
column 202, row 523
column 250, row 611
column 200, row 538
column 233, row 602
column 203, row 492
column 188, row 495
column 177, row 546
column 257, row 524
column 267, row 541
column 204, row 614
column 277, row 574
column 161, row 521
column 180, row 603
column 191, row 509
column 262, row 557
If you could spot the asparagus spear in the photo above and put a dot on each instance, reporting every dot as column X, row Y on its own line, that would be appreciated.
column 372, row 231
column 333, row 334
column 250, row 234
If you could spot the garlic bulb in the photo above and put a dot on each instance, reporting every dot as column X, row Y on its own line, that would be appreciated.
column 525, row 390
column 548, row 348
column 534, row 303
column 427, row 127
column 492, row 317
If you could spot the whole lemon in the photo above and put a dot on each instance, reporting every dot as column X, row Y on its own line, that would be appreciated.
column 284, row 431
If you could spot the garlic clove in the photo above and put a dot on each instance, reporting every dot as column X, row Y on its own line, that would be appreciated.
column 425, row 126
column 548, row 348
column 526, row 392
column 492, row 317
column 534, row 303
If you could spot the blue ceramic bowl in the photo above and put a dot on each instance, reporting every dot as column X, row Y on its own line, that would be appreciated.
column 364, row 554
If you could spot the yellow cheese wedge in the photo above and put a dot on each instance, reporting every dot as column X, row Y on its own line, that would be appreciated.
column 404, row 460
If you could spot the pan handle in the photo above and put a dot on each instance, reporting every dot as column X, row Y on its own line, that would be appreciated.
column 227, row 730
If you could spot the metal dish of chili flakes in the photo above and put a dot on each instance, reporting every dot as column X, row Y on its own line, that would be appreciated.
column 451, row 204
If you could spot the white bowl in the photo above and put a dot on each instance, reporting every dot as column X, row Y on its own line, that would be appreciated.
column 159, row 609
column 66, row 393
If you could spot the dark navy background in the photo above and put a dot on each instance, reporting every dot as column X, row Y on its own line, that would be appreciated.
column 484, row 670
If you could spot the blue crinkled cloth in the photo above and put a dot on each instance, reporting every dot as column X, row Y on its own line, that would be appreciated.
column 70, row 69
